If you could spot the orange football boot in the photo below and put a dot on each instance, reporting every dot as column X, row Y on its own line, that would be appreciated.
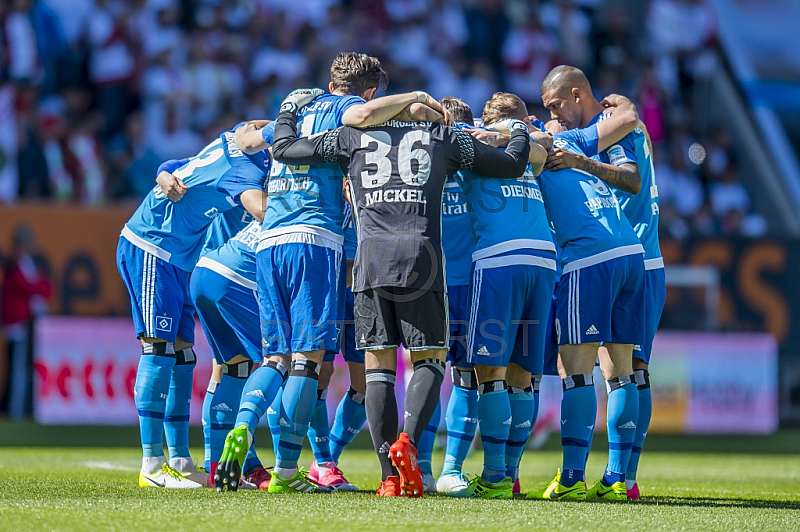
column 389, row 488
column 404, row 459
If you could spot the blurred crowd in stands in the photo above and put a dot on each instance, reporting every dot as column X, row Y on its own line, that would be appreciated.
column 96, row 93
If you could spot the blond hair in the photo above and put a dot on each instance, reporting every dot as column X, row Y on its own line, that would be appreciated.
column 503, row 105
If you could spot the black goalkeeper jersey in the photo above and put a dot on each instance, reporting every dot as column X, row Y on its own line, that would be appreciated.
column 397, row 172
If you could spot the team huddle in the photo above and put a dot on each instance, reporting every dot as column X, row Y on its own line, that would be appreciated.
column 357, row 225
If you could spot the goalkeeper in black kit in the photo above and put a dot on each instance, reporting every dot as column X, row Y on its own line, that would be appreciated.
column 396, row 174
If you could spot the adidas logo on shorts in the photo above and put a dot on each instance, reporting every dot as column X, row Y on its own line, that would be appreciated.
column 223, row 408
column 507, row 421
column 523, row 425
column 271, row 410
column 483, row 351
column 628, row 425
column 257, row 393
column 592, row 330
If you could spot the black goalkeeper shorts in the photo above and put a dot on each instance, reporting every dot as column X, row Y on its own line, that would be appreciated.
column 387, row 318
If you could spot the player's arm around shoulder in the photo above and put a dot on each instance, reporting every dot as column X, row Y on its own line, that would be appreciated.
column 492, row 162
column 537, row 157
column 380, row 110
column 255, row 202
column 622, row 119
column 249, row 137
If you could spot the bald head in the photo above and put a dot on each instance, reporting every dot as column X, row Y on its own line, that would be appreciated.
column 566, row 93
column 565, row 77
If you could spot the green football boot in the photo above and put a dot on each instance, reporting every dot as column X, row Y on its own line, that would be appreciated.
column 229, row 467
column 479, row 488
column 555, row 491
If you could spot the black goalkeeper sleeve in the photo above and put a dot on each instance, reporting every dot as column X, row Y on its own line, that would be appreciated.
column 288, row 148
column 466, row 153
column 510, row 163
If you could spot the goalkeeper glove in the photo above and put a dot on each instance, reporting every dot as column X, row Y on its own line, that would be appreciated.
column 299, row 98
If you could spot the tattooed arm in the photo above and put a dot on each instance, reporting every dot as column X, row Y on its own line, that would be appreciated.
column 625, row 177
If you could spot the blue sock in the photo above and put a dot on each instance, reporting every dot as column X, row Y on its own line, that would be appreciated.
column 494, row 414
column 205, row 417
column 319, row 431
column 578, row 412
column 461, row 419
column 224, row 407
column 259, row 392
column 427, row 440
column 150, row 390
column 274, row 420
column 588, row 449
column 522, row 406
column 299, row 401
column 176, row 416
column 350, row 417
column 623, row 413
column 645, row 413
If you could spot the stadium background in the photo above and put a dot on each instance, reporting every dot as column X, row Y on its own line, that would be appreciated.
column 95, row 94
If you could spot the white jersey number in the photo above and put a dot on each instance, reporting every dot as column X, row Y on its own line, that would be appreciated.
column 208, row 156
column 407, row 155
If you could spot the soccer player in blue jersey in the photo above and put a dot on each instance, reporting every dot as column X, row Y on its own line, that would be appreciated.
column 158, row 247
column 223, row 287
column 600, row 299
column 300, row 270
column 627, row 166
column 350, row 412
column 512, row 279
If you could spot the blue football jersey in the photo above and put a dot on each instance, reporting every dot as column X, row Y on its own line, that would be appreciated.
column 641, row 209
column 176, row 231
column 236, row 258
column 349, row 229
column 309, row 195
column 585, row 215
column 225, row 227
column 506, row 214
column 458, row 241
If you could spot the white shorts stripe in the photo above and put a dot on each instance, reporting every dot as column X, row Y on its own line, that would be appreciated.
column 152, row 311
column 571, row 310
column 473, row 312
column 578, row 306
column 144, row 293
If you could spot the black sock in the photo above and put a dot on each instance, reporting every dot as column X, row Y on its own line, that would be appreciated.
column 381, row 406
column 422, row 396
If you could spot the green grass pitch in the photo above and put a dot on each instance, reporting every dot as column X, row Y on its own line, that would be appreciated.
column 48, row 481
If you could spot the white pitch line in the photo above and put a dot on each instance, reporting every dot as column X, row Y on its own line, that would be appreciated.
column 109, row 466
